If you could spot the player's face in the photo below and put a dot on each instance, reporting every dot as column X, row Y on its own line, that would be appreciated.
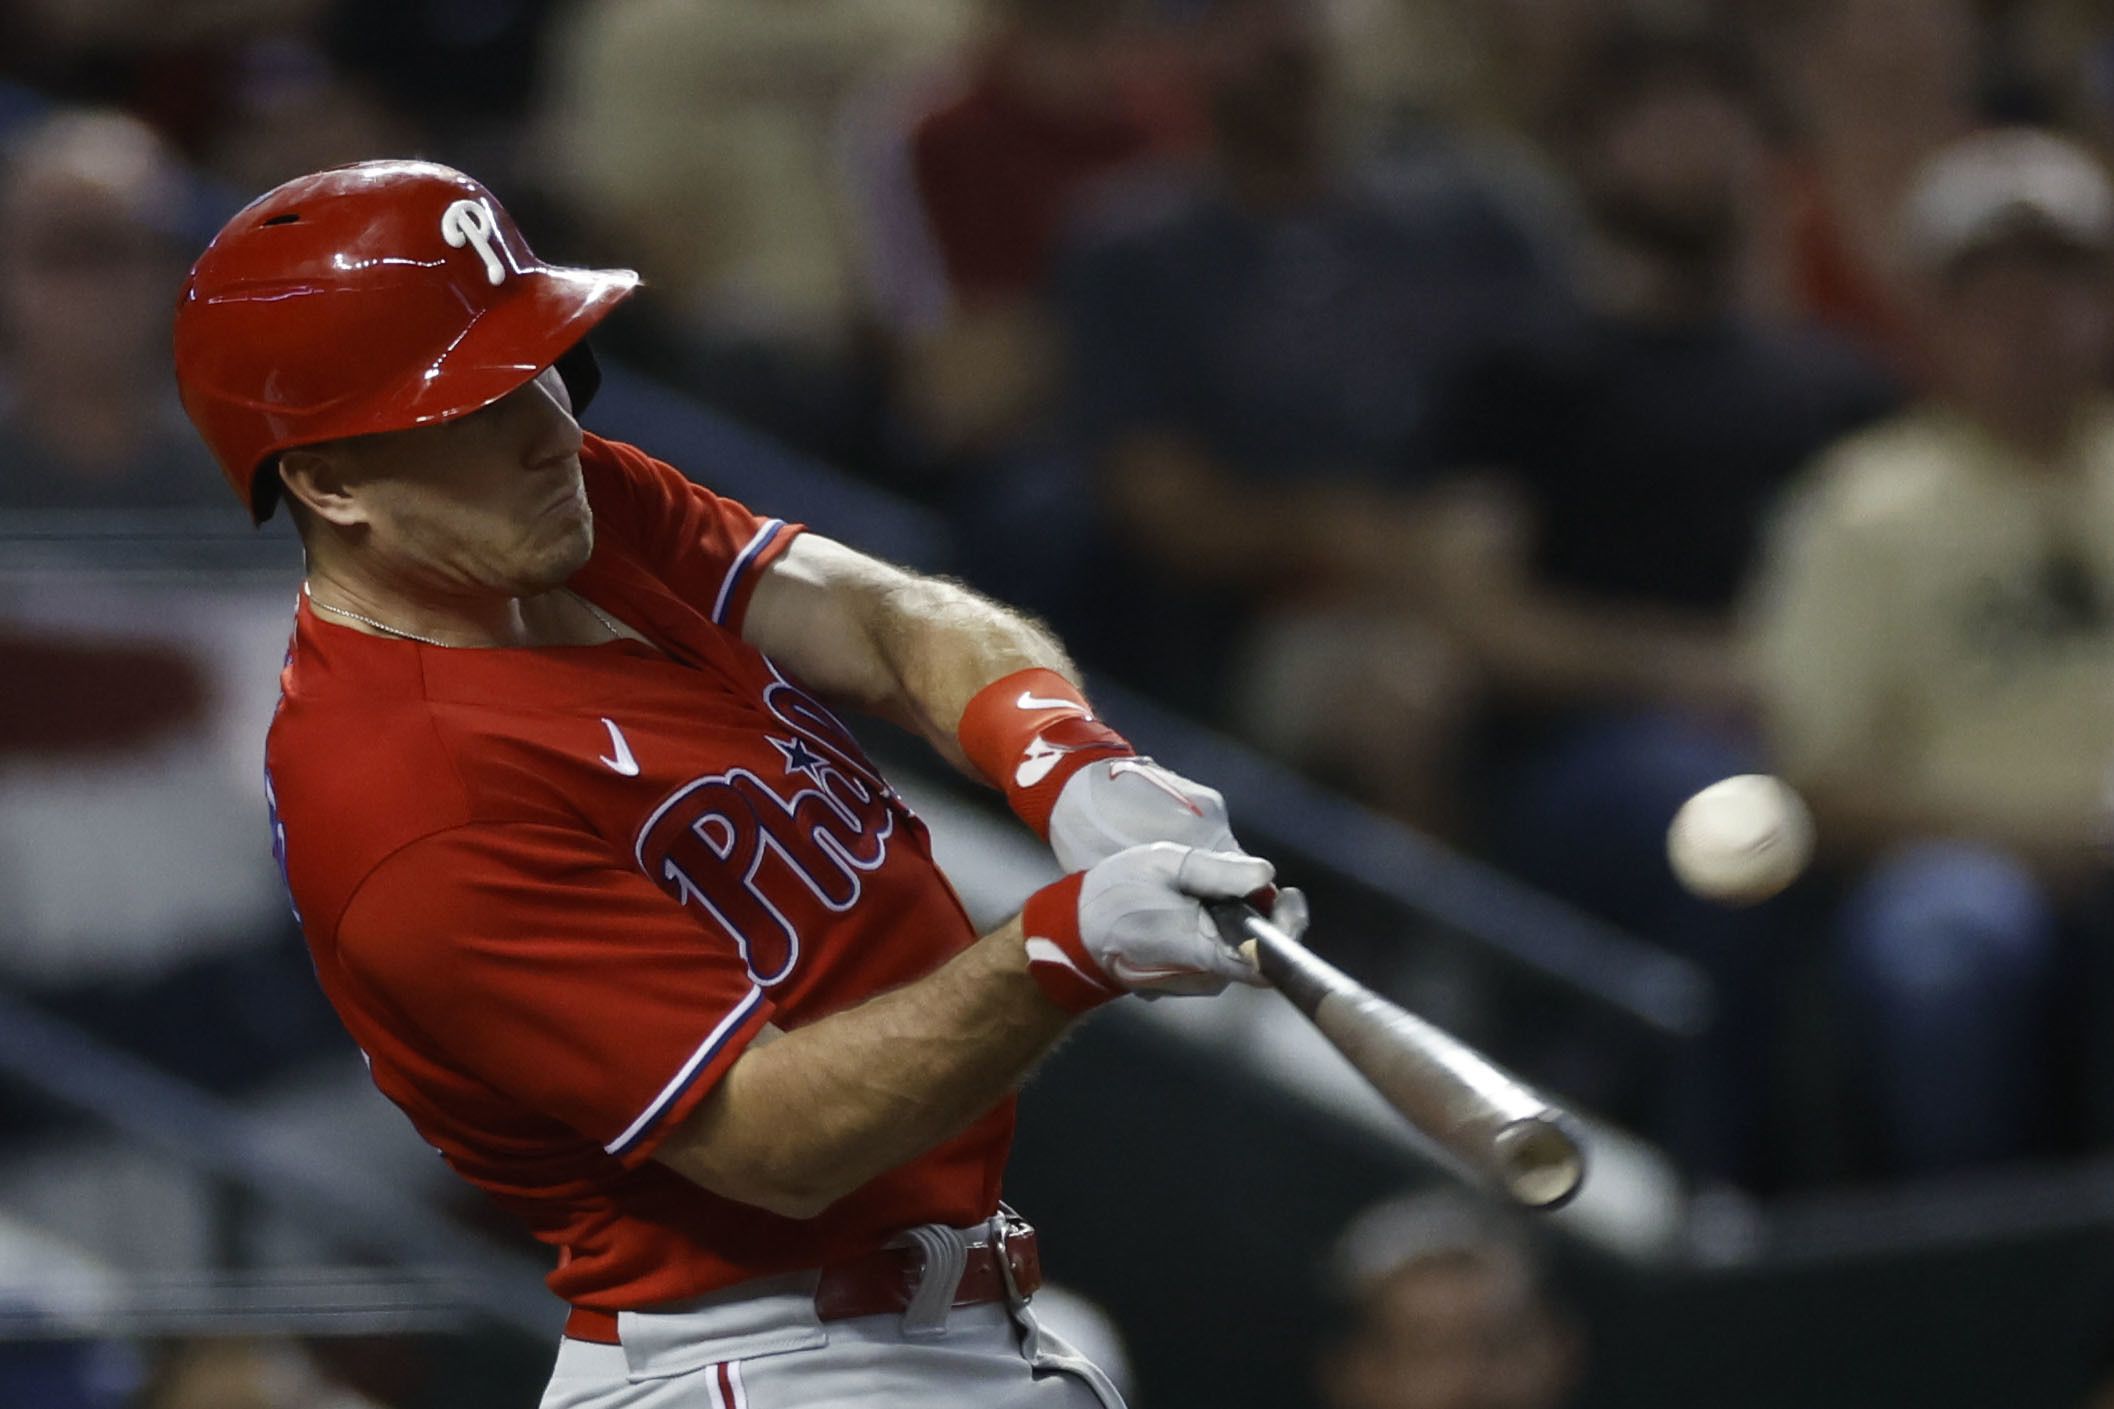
column 488, row 504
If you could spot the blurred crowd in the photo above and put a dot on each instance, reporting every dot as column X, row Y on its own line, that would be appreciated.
column 1440, row 1304
column 1517, row 413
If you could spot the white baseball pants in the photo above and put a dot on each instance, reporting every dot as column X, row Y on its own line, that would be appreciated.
column 763, row 1347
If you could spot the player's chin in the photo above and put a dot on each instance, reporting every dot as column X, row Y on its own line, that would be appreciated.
column 553, row 556
column 573, row 538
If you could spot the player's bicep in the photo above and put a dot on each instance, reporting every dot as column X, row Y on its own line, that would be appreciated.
column 816, row 611
column 519, row 957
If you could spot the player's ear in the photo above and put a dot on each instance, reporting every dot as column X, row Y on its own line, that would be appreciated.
column 319, row 478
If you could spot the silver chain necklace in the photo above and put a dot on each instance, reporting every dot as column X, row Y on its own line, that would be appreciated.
column 607, row 624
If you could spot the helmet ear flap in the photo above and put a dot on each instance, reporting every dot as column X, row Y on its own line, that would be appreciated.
column 581, row 373
column 266, row 491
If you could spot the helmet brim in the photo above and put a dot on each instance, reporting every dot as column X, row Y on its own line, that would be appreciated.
column 500, row 350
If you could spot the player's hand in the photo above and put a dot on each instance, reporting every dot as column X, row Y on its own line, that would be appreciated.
column 1136, row 923
column 1114, row 804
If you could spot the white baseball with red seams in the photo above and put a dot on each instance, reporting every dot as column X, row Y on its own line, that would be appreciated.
column 1741, row 840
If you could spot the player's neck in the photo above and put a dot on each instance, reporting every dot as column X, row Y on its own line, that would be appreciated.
column 364, row 603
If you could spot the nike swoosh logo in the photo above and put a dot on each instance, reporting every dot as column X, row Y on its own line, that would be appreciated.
column 1031, row 701
column 1151, row 773
column 623, row 763
column 1036, row 764
column 1129, row 973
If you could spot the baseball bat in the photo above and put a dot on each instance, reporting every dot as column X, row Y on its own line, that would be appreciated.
column 1484, row 1117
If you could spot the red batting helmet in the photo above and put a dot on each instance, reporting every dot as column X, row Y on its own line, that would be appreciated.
column 372, row 297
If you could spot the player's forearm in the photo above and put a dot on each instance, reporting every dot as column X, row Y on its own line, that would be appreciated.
column 801, row 1121
column 911, row 649
column 943, row 643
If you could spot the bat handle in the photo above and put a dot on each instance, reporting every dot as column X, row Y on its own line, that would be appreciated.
column 1290, row 966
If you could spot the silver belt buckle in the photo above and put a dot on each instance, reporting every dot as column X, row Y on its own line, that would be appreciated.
column 1001, row 1231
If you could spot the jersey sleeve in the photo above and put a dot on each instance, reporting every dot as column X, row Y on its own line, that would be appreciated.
column 709, row 550
column 519, row 955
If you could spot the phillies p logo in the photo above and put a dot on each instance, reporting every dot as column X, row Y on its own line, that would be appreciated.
column 772, row 854
column 472, row 223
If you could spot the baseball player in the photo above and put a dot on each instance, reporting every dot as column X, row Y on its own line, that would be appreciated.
column 620, row 914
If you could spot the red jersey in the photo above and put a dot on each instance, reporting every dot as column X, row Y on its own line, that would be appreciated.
column 554, row 892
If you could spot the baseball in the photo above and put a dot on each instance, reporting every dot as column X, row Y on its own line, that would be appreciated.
column 1742, row 840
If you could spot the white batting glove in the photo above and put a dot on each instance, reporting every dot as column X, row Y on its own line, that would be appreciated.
column 1114, row 804
column 1136, row 923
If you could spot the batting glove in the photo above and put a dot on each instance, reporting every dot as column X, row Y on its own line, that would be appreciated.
column 1082, row 786
column 1112, row 805
column 1136, row 923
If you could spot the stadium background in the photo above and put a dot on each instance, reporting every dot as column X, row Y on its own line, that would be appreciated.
column 1398, row 404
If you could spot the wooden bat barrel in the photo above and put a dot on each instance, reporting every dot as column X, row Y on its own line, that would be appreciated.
column 1488, row 1120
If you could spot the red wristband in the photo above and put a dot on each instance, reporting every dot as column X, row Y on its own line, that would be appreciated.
column 1057, row 957
column 1029, row 733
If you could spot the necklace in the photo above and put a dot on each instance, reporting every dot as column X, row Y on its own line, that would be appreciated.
column 607, row 625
